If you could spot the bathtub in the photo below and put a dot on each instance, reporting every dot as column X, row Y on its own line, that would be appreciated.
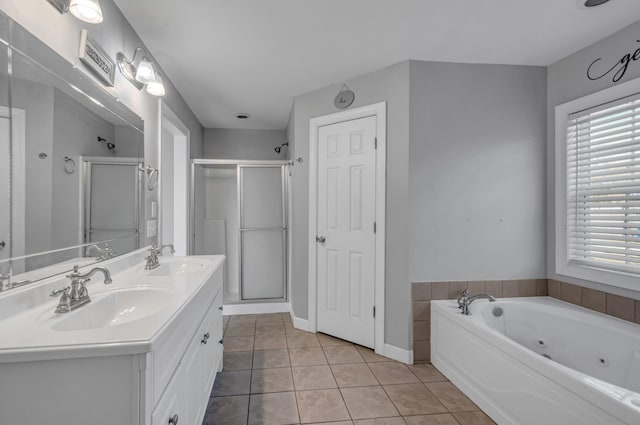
column 540, row 362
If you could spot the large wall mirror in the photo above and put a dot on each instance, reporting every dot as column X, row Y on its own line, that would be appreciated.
column 70, row 177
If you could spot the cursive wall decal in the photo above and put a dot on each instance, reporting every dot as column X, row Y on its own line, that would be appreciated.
column 619, row 67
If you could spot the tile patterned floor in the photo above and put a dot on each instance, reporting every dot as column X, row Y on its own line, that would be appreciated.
column 275, row 374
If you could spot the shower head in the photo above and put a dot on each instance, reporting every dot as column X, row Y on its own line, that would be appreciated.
column 279, row 148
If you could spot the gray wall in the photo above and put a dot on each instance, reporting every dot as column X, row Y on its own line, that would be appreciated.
column 465, row 147
column 224, row 143
column 391, row 85
column 567, row 81
column 477, row 172
column 114, row 34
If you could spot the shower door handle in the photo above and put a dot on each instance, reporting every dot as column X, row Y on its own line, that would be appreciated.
column 321, row 239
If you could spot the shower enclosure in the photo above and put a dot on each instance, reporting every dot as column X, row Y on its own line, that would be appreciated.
column 240, row 209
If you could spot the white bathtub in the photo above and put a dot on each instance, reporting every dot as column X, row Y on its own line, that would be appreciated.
column 592, row 375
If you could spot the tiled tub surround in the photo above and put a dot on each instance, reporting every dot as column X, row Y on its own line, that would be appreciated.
column 276, row 375
column 423, row 292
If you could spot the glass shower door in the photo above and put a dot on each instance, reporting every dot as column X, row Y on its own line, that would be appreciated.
column 263, row 231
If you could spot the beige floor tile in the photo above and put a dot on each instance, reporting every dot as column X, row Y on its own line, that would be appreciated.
column 473, row 418
column 414, row 399
column 393, row 373
column 238, row 343
column 268, row 359
column 232, row 383
column 335, row 423
column 271, row 380
column 240, row 330
column 237, row 360
column 370, row 356
column 269, row 318
column 270, row 342
column 427, row 373
column 244, row 319
column 321, row 406
column 452, row 398
column 353, row 375
column 313, row 378
column 273, row 409
column 307, row 356
column 329, row 341
column 397, row 420
column 302, row 340
column 368, row 402
column 231, row 410
column 342, row 354
column 439, row 419
column 270, row 328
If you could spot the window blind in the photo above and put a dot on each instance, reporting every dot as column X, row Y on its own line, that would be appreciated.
column 603, row 186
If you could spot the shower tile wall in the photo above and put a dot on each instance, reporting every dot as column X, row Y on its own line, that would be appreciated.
column 422, row 293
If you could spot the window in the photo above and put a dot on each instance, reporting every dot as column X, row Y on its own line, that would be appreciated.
column 599, row 220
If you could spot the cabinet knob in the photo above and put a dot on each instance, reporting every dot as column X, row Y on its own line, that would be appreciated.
column 221, row 341
column 173, row 420
column 220, row 308
column 205, row 338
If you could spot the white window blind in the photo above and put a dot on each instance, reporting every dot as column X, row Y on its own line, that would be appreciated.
column 603, row 186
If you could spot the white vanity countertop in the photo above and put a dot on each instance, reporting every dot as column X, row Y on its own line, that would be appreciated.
column 38, row 333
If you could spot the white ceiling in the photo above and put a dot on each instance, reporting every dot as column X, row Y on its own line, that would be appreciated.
column 254, row 56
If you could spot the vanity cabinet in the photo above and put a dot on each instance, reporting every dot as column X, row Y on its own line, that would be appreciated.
column 164, row 380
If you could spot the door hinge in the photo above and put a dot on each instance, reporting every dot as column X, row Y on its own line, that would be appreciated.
column 375, row 143
column 374, row 311
column 374, row 227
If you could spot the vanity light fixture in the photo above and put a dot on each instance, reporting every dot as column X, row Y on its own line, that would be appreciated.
column 140, row 71
column 86, row 10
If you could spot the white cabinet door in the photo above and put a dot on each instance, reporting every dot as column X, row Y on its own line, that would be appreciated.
column 172, row 409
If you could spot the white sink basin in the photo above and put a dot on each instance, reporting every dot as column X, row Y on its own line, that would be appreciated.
column 176, row 266
column 114, row 308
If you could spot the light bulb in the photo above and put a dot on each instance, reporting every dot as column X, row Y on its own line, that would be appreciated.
column 156, row 87
column 145, row 72
column 86, row 10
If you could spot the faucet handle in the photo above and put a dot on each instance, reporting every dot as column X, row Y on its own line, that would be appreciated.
column 63, row 291
column 464, row 295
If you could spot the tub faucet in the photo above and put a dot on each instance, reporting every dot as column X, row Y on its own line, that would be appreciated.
column 464, row 301
column 77, row 295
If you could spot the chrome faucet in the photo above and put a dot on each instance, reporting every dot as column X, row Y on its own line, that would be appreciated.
column 464, row 301
column 152, row 258
column 103, row 253
column 77, row 295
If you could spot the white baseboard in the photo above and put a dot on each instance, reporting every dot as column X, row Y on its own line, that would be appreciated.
column 298, row 323
column 399, row 354
column 257, row 308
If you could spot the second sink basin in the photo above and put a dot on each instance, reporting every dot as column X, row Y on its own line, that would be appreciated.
column 115, row 308
column 175, row 266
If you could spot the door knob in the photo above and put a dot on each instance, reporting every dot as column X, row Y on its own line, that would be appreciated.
column 320, row 239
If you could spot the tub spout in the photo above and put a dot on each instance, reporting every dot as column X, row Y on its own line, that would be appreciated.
column 465, row 300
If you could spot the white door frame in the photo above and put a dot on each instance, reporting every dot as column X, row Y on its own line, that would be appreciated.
column 169, row 121
column 379, row 110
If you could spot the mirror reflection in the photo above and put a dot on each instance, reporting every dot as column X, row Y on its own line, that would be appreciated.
column 71, row 170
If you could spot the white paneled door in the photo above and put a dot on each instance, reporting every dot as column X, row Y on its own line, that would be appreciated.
column 346, row 230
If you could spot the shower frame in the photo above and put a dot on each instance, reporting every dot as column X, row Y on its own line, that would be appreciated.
column 286, row 214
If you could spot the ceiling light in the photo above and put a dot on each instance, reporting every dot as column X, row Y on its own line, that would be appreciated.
column 86, row 10
column 156, row 87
